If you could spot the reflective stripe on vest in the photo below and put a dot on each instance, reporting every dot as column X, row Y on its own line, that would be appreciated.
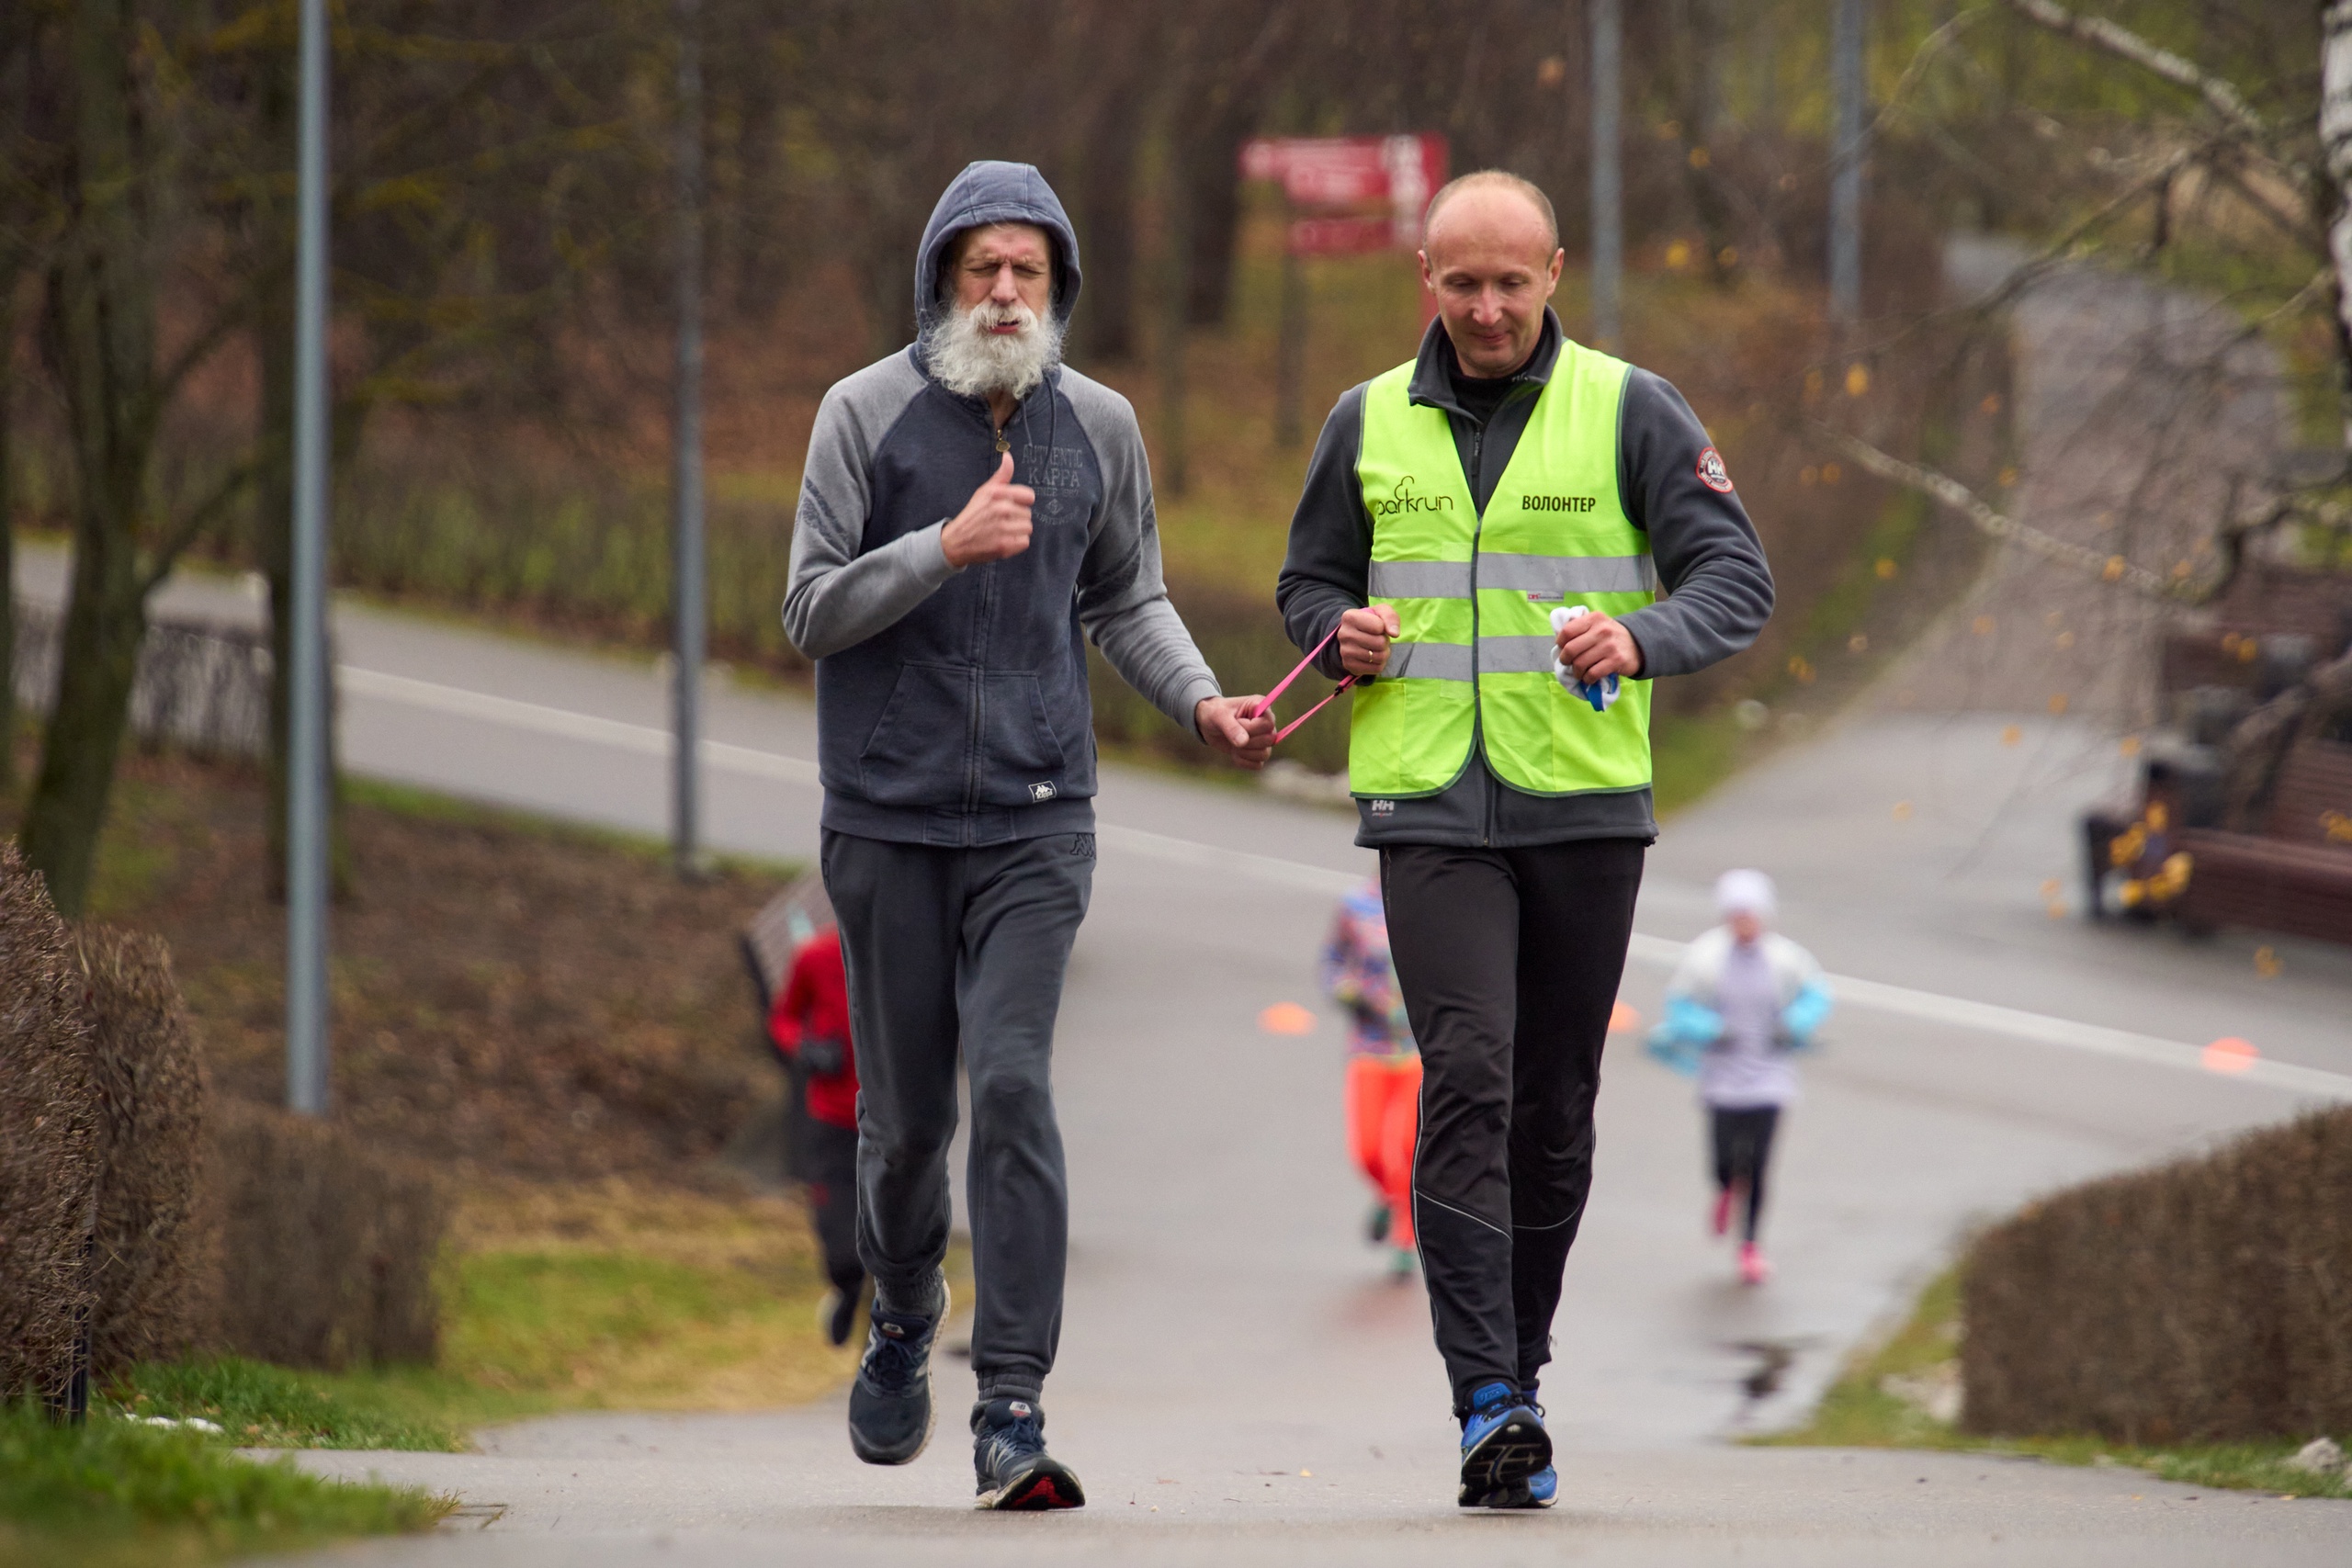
column 1474, row 593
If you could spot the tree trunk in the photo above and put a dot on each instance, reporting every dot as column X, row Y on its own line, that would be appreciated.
column 103, row 623
column 1208, row 184
column 2336, row 142
column 1704, row 22
column 8, row 285
column 1107, row 200
column 102, row 320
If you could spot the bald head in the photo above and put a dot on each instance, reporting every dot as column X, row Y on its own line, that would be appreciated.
column 1490, row 254
column 1491, row 198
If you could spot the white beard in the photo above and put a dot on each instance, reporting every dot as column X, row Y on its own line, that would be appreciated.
column 969, row 359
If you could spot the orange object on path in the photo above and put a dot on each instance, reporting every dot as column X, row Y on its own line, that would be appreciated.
column 1286, row 1018
column 2230, row 1055
column 1383, row 1120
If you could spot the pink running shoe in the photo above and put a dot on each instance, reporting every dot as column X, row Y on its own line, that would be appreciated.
column 1722, row 1211
column 1753, row 1269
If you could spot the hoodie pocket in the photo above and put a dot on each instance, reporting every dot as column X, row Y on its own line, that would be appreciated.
column 915, row 755
column 1021, row 761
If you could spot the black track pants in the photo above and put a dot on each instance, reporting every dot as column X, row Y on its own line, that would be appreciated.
column 1743, row 1141
column 954, row 950
column 1509, row 960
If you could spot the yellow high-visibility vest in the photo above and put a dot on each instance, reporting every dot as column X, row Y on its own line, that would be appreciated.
column 1474, row 593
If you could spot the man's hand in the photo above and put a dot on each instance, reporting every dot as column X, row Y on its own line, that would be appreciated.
column 993, row 525
column 1594, row 646
column 1363, row 639
column 1224, row 723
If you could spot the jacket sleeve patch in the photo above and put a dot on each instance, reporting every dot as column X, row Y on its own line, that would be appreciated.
column 1711, row 472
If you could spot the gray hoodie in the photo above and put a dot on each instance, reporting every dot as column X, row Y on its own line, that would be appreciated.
column 952, row 704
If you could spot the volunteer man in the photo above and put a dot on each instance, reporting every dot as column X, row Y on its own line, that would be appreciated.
column 1451, row 506
column 971, row 511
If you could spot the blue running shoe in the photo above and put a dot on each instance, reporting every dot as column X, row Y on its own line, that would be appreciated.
column 1503, row 1444
column 1538, row 1491
column 1014, row 1471
column 889, row 1405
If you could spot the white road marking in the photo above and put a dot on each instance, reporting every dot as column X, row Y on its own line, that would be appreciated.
column 2040, row 1029
column 641, row 739
column 1927, row 1006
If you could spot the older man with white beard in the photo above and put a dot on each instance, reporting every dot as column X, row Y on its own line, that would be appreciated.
column 970, row 512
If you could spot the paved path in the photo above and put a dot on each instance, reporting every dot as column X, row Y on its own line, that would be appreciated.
column 1237, row 1381
column 1228, row 1335
column 2141, row 415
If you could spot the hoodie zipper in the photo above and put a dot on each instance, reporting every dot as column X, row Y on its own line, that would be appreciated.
column 1002, row 438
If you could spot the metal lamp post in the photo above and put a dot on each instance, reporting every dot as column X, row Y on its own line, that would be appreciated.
column 306, row 768
column 1608, row 200
column 688, row 610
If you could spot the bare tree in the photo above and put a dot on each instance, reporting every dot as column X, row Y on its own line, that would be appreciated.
column 103, row 340
column 2228, row 144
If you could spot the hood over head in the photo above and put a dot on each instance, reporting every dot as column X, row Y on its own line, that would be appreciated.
column 989, row 191
column 1745, row 893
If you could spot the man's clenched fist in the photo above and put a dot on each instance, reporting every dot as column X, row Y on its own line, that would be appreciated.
column 993, row 525
column 1363, row 639
column 1595, row 646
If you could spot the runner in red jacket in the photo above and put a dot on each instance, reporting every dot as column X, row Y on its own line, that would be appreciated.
column 809, row 1025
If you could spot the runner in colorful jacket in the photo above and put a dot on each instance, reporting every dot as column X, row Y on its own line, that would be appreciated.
column 1744, row 1001
column 1383, row 1087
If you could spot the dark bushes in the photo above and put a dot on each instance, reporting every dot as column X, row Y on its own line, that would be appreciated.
column 328, row 1250
column 147, row 1266
column 2206, row 1300
column 48, row 1140
column 132, row 1210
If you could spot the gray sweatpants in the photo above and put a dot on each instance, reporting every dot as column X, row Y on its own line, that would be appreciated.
column 963, row 945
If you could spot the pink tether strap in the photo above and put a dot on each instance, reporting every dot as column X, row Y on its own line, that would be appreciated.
column 1284, row 732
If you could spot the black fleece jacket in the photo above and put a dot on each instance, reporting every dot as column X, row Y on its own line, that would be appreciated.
column 1717, row 590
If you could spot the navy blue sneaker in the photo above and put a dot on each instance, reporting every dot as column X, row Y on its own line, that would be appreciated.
column 889, row 1405
column 1503, row 1443
column 1010, row 1461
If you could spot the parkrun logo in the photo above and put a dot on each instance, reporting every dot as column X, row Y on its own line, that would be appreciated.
column 1404, row 499
column 1558, row 502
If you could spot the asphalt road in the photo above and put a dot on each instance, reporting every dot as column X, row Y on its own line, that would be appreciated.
column 1238, row 1380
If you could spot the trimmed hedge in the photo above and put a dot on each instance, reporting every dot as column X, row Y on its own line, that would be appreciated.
column 2206, row 1300
column 49, row 1141
column 133, row 1210
column 149, row 1276
column 328, row 1249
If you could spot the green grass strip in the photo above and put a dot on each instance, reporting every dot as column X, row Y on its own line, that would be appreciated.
column 260, row 1405
column 1861, row 1412
column 117, row 1491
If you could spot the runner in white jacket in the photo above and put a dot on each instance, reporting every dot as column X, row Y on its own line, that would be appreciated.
column 1744, row 1001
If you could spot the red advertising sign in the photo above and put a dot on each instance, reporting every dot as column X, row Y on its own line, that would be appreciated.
column 1342, row 236
column 1397, row 172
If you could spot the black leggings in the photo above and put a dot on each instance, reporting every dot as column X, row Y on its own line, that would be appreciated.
column 830, row 1170
column 1742, row 1142
column 1509, row 960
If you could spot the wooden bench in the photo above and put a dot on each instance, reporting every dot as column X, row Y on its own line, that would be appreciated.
column 2311, row 802
column 2295, row 879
